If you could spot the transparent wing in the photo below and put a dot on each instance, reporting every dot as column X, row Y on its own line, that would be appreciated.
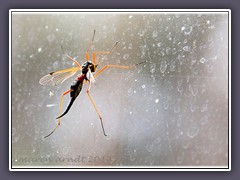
column 58, row 77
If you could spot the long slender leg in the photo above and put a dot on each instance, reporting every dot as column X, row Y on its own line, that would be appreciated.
column 75, row 62
column 59, row 112
column 101, row 52
column 99, row 115
column 94, row 60
column 86, row 54
column 111, row 66
column 116, row 66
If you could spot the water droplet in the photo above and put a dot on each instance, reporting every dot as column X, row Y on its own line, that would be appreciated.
column 162, row 52
column 193, row 131
column 16, row 139
column 56, row 64
column 186, row 29
column 172, row 66
column 155, row 34
column 65, row 150
column 159, row 44
column 168, row 51
column 51, row 94
column 204, row 120
column 125, row 56
column 150, row 147
column 34, row 150
column 193, row 61
column 51, row 105
column 39, row 49
column 152, row 91
column 130, row 91
column 203, row 60
column 141, row 33
column 130, row 16
column 193, row 89
column 174, row 51
column 193, row 107
column 149, row 161
column 180, row 157
column 186, row 48
column 180, row 88
column 153, row 68
column 130, row 46
column 163, row 66
column 177, row 108
column 51, row 37
column 143, row 86
column 133, row 156
column 37, row 129
column 210, row 68
column 156, row 100
column 204, row 107
column 46, row 27
column 157, row 140
column 185, row 144
column 165, row 105
column 57, row 29
column 212, row 27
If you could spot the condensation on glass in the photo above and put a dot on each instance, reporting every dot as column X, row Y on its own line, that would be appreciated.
column 170, row 111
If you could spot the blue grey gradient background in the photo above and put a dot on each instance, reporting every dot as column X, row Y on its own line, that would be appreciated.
column 6, row 5
column 170, row 111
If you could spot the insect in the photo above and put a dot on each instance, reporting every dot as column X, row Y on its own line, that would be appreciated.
column 87, row 68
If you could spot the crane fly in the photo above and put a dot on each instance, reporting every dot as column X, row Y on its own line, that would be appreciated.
column 87, row 68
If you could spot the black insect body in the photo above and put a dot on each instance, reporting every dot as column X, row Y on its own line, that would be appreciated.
column 77, row 84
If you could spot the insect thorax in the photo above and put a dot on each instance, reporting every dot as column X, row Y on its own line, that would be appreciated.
column 86, row 65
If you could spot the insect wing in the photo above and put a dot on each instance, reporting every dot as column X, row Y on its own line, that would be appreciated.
column 58, row 77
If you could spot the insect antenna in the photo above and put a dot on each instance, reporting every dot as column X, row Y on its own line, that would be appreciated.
column 62, row 49
column 91, row 41
column 114, row 46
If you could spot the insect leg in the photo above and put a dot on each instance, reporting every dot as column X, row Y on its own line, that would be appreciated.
column 60, row 111
column 111, row 66
column 99, row 115
column 116, row 66
column 101, row 52
column 75, row 62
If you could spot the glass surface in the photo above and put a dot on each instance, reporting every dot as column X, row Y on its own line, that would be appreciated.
column 170, row 111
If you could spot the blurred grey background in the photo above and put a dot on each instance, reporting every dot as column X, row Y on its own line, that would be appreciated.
column 170, row 111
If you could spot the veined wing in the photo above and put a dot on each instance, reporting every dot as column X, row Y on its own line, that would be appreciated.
column 58, row 77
